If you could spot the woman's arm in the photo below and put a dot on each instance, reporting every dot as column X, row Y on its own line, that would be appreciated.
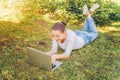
column 51, row 52
column 54, row 47
column 67, row 52
column 59, row 56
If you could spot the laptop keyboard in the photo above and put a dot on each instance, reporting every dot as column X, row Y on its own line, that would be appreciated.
column 53, row 66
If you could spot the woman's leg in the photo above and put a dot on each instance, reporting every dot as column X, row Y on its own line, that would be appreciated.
column 92, row 28
column 85, row 12
column 91, row 25
column 85, row 27
column 89, row 29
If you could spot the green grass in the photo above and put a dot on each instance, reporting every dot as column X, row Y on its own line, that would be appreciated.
column 99, row 60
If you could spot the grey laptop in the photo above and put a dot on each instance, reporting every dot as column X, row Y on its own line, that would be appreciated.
column 41, row 59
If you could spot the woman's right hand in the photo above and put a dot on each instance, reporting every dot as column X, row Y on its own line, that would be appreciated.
column 51, row 52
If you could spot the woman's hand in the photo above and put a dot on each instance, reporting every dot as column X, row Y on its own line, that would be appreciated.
column 51, row 52
column 58, row 56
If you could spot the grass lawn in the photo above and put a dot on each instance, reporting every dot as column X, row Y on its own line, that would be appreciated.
column 99, row 60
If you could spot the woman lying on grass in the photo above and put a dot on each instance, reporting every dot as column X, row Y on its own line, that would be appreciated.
column 69, row 40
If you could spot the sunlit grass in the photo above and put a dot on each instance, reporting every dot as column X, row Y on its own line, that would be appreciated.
column 107, row 29
column 8, row 15
column 99, row 60
column 117, row 1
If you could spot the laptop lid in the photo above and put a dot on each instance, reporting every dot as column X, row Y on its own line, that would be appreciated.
column 41, row 59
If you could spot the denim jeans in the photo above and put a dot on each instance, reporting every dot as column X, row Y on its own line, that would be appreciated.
column 89, row 32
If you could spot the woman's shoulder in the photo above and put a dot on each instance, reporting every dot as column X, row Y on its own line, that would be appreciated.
column 70, row 33
column 69, row 30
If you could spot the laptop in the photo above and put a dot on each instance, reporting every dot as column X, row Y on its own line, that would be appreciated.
column 41, row 59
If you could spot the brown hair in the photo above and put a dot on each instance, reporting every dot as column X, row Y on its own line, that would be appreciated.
column 59, row 26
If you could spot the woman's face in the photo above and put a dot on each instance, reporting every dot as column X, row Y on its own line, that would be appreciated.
column 58, row 35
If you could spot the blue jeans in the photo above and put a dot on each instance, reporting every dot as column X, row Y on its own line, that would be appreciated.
column 89, row 32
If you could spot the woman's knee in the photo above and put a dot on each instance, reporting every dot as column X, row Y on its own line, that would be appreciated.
column 94, row 36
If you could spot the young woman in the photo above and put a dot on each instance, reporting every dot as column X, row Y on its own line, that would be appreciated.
column 69, row 40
